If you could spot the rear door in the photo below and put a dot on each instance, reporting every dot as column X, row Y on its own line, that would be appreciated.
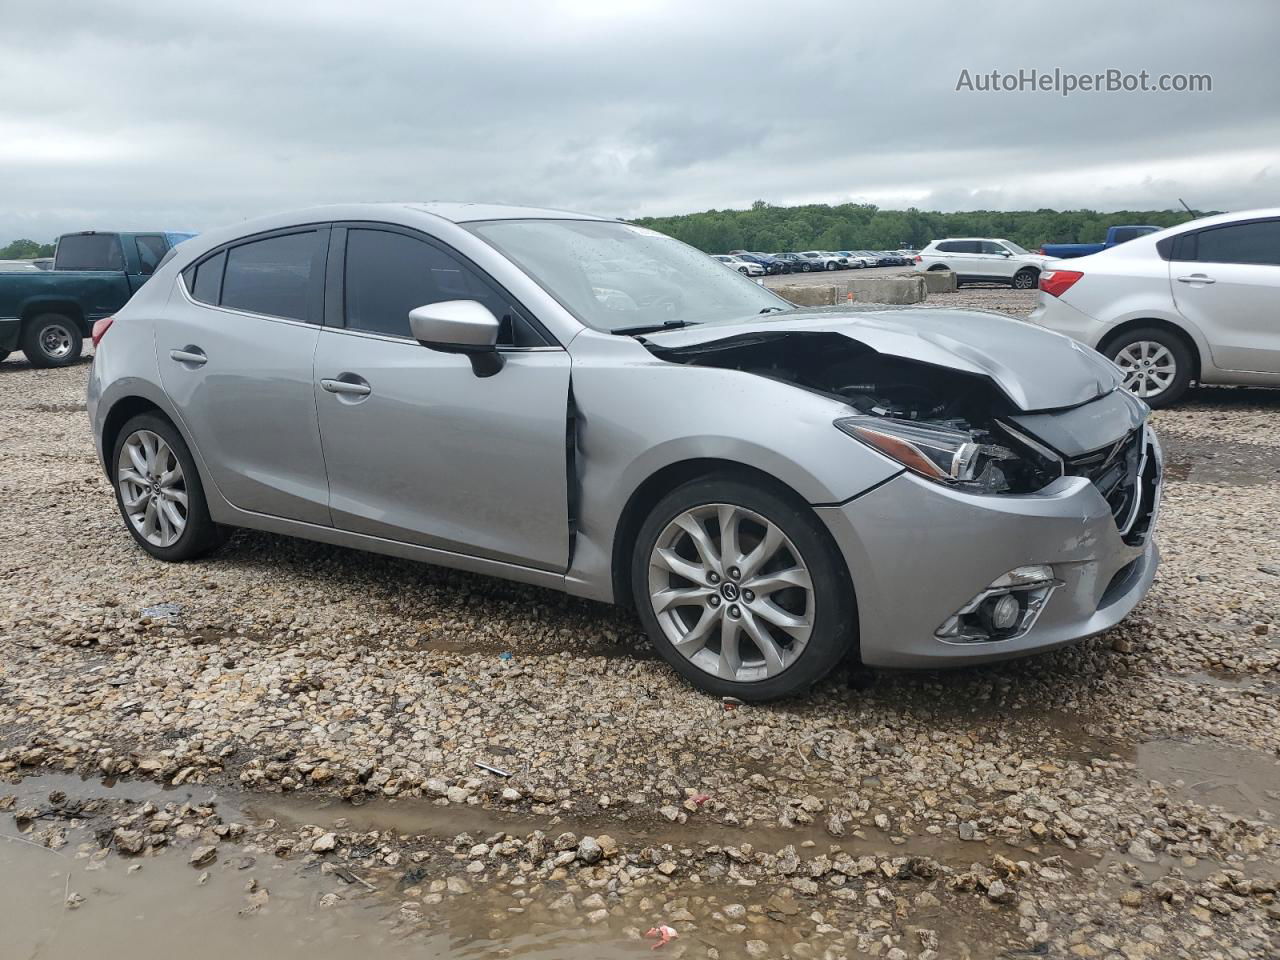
column 419, row 449
column 1226, row 281
column 235, row 357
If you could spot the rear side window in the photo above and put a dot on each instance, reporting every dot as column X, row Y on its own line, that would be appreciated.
column 89, row 251
column 151, row 250
column 388, row 274
column 277, row 276
column 207, row 284
column 1125, row 234
column 1256, row 242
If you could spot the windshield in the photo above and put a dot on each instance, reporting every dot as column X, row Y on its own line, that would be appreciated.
column 1013, row 246
column 614, row 276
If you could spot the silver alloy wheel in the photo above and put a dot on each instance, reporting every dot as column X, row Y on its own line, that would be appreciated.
column 1024, row 281
column 1149, row 368
column 153, row 488
column 731, row 592
column 55, row 341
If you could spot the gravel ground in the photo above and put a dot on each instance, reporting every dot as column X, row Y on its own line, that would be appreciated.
column 1115, row 799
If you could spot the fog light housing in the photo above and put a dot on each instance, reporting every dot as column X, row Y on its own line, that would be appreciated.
column 1006, row 610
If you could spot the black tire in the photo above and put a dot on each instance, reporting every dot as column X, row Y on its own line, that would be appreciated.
column 1184, row 365
column 201, row 535
column 1028, row 278
column 832, row 266
column 52, row 340
column 833, row 614
column 805, row 268
column 743, row 271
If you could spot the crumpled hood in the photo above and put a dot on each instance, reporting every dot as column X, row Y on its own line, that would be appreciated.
column 1035, row 368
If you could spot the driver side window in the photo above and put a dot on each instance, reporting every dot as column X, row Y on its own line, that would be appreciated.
column 388, row 274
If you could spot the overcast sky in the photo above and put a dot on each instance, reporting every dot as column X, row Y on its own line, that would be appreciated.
column 188, row 115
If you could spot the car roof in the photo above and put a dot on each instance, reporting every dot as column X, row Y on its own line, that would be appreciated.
column 465, row 212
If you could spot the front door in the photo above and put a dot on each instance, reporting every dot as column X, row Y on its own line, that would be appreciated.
column 418, row 448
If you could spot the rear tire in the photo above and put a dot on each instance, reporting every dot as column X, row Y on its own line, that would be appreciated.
column 142, row 493
column 1027, row 278
column 1155, row 362
column 52, row 340
column 775, row 592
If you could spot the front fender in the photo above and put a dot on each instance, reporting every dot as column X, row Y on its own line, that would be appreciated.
column 639, row 415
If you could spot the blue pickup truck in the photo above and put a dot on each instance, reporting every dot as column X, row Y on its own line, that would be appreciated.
column 47, row 313
column 1115, row 235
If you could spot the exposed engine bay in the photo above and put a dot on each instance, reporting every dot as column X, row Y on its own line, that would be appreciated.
column 960, row 414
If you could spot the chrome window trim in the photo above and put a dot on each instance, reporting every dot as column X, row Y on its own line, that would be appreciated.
column 391, row 338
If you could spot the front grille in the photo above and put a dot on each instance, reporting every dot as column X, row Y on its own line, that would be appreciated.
column 1114, row 471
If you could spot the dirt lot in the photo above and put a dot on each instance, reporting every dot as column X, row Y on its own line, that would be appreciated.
column 315, row 717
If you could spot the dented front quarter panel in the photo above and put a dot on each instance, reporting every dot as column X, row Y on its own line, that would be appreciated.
column 638, row 414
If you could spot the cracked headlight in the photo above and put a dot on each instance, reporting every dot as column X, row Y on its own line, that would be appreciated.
column 935, row 452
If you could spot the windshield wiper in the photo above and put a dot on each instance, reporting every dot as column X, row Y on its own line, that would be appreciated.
column 771, row 309
column 653, row 327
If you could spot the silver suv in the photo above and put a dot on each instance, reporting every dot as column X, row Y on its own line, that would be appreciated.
column 594, row 407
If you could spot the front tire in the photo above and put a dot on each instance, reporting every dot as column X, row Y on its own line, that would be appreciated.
column 805, row 268
column 159, row 493
column 1026, row 279
column 742, row 590
column 1157, row 365
column 52, row 340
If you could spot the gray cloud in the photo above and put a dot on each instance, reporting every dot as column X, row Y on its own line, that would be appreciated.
column 188, row 116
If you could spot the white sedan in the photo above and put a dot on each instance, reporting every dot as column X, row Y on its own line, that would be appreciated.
column 744, row 267
column 1199, row 301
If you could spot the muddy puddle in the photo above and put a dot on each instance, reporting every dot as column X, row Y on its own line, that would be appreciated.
column 1241, row 781
column 252, row 900
column 163, row 910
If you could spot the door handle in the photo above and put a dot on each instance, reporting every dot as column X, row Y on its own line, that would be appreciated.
column 354, row 386
column 1196, row 278
column 189, row 354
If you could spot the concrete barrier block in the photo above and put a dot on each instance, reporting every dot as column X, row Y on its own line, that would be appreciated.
column 896, row 290
column 939, row 281
column 810, row 295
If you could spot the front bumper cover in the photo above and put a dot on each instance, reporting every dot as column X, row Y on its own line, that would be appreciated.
column 918, row 551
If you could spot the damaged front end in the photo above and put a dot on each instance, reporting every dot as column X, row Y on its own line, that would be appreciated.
column 950, row 426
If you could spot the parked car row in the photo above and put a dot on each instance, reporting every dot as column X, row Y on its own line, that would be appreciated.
column 814, row 260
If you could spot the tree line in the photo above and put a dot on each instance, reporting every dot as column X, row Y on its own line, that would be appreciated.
column 26, row 250
column 864, row 226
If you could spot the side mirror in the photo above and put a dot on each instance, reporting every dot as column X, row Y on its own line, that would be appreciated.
column 460, row 326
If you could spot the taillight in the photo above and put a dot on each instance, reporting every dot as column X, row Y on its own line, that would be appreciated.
column 1057, row 282
column 917, row 258
column 100, row 327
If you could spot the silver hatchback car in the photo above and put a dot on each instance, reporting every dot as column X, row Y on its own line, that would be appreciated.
column 588, row 405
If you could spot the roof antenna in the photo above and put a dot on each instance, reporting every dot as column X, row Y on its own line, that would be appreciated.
column 1185, row 207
